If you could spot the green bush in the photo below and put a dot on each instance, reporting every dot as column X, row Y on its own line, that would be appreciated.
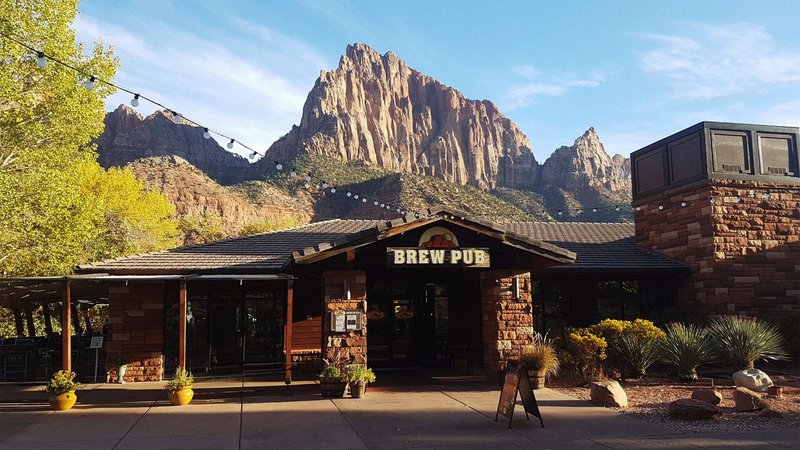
column 359, row 372
column 61, row 382
column 182, row 379
column 636, row 353
column 584, row 352
column 686, row 347
column 331, row 373
column 742, row 341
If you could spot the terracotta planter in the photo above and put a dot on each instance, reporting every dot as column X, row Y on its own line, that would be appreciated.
column 181, row 397
column 332, row 389
column 358, row 389
column 537, row 379
column 63, row 402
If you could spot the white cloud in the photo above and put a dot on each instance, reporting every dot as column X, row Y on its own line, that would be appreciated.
column 253, row 92
column 710, row 61
column 537, row 84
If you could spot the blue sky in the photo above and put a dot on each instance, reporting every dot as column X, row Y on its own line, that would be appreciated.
column 636, row 70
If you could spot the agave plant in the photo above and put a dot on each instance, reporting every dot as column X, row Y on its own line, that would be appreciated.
column 636, row 352
column 744, row 340
column 686, row 347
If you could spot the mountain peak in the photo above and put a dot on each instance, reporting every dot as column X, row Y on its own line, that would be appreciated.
column 377, row 109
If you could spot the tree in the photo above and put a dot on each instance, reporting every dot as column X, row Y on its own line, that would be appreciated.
column 128, row 219
column 200, row 229
column 47, row 119
column 269, row 224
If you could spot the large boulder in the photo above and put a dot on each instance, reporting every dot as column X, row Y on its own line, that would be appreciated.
column 711, row 396
column 608, row 393
column 752, row 379
column 693, row 409
column 747, row 400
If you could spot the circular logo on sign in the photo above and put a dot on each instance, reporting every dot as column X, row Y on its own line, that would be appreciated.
column 438, row 237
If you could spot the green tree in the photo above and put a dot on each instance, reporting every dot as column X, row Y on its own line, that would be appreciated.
column 200, row 229
column 269, row 224
column 47, row 119
column 128, row 218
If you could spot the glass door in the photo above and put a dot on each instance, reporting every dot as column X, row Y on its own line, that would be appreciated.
column 226, row 334
column 264, row 322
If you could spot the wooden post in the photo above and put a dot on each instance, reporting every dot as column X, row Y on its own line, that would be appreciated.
column 66, row 333
column 48, row 322
column 287, row 339
column 29, row 320
column 182, row 325
column 19, row 325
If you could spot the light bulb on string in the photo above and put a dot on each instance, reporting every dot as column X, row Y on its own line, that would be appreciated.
column 683, row 203
column 89, row 84
column 388, row 207
column 594, row 209
column 560, row 212
column 135, row 103
column 308, row 178
column 382, row 205
column 230, row 144
column 364, row 200
column 349, row 194
column 206, row 133
column 41, row 61
column 293, row 173
column 333, row 190
column 176, row 117
column 253, row 155
column 279, row 166
column 375, row 203
column 660, row 207
column 616, row 208
column 355, row 197
column 580, row 211
column 324, row 185
column 638, row 208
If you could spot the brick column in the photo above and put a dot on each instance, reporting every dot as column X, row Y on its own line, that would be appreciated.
column 507, row 321
column 136, row 328
column 354, row 342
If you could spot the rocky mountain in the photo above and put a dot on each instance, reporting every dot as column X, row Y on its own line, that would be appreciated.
column 128, row 137
column 373, row 125
column 586, row 170
column 377, row 109
column 195, row 194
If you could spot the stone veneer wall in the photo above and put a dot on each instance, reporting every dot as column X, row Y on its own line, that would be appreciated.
column 136, row 328
column 507, row 321
column 744, row 256
column 354, row 343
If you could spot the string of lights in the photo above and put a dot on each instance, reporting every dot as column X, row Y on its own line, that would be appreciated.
column 326, row 186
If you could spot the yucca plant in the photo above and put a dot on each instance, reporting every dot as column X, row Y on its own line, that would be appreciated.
column 744, row 340
column 686, row 347
column 636, row 352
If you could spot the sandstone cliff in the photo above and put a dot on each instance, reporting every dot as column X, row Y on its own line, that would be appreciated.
column 128, row 137
column 586, row 170
column 194, row 193
column 377, row 109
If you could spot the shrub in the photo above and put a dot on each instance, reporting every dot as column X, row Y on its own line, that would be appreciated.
column 629, row 355
column 637, row 353
column 331, row 373
column 358, row 372
column 541, row 356
column 61, row 382
column 584, row 351
column 789, row 326
column 182, row 379
column 686, row 347
column 742, row 341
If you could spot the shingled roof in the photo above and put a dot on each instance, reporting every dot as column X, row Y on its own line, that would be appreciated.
column 587, row 246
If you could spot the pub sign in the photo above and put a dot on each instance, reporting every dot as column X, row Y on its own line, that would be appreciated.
column 438, row 247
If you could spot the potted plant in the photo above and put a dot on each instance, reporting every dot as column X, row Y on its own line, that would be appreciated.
column 358, row 377
column 62, row 387
column 540, row 359
column 179, row 388
column 333, row 379
column 118, row 363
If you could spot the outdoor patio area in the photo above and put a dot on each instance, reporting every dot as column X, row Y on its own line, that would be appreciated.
column 250, row 412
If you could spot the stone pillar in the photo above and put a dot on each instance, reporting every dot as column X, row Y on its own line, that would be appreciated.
column 335, row 298
column 136, row 329
column 507, row 320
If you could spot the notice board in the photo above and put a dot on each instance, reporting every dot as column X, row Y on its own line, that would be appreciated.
column 517, row 381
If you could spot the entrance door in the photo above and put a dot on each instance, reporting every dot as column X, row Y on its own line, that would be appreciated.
column 226, row 334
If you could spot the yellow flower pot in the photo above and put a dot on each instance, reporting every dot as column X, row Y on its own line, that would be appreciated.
column 181, row 397
column 63, row 402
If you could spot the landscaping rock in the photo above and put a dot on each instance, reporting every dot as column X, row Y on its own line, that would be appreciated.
column 747, row 400
column 608, row 393
column 692, row 409
column 769, row 412
column 711, row 396
column 752, row 379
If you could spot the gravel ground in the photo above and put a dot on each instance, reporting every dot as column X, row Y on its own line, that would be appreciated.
column 649, row 399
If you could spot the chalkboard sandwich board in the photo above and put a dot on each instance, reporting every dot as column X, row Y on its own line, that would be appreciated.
column 517, row 380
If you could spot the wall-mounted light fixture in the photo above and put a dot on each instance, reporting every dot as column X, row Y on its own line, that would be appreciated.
column 515, row 287
column 347, row 295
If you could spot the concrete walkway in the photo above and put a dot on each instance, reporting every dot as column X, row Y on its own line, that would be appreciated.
column 234, row 414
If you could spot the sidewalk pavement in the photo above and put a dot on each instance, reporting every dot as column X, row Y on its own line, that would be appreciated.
column 236, row 413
